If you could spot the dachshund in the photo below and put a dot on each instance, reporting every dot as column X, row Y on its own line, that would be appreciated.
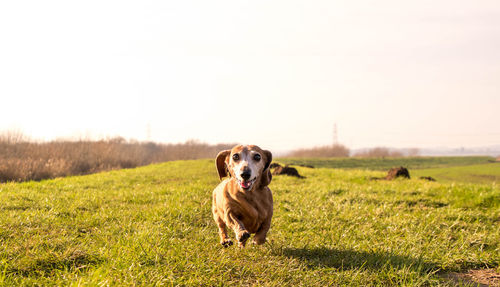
column 243, row 200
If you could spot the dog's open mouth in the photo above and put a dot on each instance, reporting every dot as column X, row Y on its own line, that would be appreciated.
column 246, row 184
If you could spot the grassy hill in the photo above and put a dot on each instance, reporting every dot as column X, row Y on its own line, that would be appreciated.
column 153, row 226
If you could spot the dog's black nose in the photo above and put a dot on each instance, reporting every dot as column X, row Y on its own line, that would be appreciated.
column 246, row 174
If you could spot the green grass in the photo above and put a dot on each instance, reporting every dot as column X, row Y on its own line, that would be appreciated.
column 153, row 226
column 480, row 173
column 387, row 163
column 472, row 169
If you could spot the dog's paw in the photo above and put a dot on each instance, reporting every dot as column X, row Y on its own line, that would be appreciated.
column 226, row 243
column 259, row 241
column 243, row 236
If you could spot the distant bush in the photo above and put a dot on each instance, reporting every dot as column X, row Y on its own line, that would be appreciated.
column 22, row 160
column 321, row 151
column 412, row 152
column 379, row 152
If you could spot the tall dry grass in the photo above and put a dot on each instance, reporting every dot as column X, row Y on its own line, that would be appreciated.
column 337, row 150
column 23, row 160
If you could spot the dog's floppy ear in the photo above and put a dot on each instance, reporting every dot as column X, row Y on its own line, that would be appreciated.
column 266, row 172
column 220, row 162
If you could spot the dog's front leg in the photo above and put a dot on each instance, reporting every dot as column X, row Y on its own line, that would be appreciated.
column 241, row 232
column 224, row 240
column 260, row 236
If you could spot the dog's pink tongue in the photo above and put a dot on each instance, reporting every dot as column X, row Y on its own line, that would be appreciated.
column 245, row 184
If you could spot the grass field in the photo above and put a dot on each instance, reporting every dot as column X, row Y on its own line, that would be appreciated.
column 471, row 169
column 387, row 163
column 153, row 226
column 478, row 173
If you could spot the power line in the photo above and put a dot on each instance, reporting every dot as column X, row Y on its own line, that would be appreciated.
column 335, row 134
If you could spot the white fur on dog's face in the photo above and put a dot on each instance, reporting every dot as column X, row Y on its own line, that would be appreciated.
column 246, row 159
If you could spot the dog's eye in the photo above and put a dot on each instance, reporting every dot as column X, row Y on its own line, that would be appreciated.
column 236, row 156
column 256, row 157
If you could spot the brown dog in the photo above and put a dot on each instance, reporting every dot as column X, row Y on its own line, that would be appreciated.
column 243, row 201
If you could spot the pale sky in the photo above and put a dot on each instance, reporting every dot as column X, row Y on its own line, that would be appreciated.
column 278, row 74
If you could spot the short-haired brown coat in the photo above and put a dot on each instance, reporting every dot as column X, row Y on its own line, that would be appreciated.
column 243, row 201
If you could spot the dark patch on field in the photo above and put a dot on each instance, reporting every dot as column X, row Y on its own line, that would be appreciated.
column 158, row 259
column 86, row 208
column 351, row 259
column 15, row 207
column 140, row 201
column 76, row 260
column 284, row 170
column 83, row 230
column 64, row 214
column 414, row 192
column 490, row 201
column 396, row 172
column 393, row 173
column 477, row 277
column 421, row 203
column 336, row 192
column 274, row 165
column 358, row 200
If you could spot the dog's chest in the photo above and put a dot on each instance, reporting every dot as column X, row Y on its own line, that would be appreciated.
column 253, row 213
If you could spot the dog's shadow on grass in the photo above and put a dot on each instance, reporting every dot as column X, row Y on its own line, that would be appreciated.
column 355, row 260
column 350, row 259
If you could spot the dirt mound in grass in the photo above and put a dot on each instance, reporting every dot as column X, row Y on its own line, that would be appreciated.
column 393, row 173
column 274, row 165
column 285, row 170
column 396, row 172
column 478, row 277
column 429, row 178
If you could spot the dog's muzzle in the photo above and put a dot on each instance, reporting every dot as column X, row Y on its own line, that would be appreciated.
column 246, row 184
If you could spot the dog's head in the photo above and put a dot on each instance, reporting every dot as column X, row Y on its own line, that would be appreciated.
column 248, row 165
